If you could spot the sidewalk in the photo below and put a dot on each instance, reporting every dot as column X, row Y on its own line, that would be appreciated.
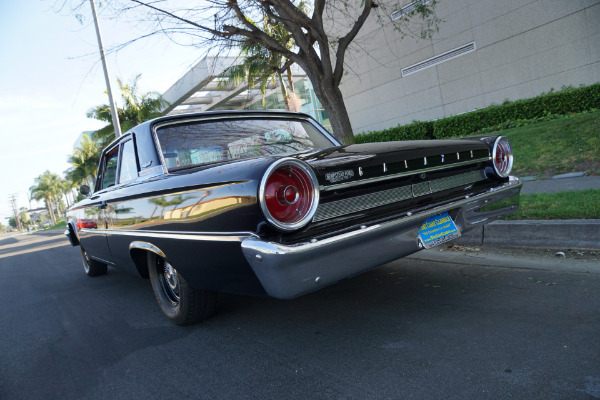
column 556, row 185
column 551, row 234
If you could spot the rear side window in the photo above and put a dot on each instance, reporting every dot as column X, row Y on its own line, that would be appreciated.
column 116, row 170
column 128, row 170
column 196, row 143
column 111, row 161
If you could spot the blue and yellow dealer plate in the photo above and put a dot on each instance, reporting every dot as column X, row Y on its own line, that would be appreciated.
column 437, row 230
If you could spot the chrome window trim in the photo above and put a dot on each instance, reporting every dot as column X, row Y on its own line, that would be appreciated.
column 198, row 236
column 149, row 172
column 257, row 115
column 400, row 174
column 117, row 143
column 208, row 118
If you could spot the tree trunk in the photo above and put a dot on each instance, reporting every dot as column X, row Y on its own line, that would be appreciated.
column 284, row 92
column 50, row 210
column 290, row 79
column 55, row 212
column 333, row 102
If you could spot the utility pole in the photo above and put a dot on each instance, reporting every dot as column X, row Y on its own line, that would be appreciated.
column 13, row 202
column 113, row 109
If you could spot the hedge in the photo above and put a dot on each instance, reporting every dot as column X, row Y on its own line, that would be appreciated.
column 569, row 100
column 416, row 131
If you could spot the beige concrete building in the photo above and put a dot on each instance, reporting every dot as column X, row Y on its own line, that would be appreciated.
column 485, row 52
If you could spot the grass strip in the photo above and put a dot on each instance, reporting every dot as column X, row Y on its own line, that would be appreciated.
column 61, row 224
column 564, row 145
column 580, row 204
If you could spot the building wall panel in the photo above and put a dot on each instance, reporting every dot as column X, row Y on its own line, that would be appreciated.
column 523, row 48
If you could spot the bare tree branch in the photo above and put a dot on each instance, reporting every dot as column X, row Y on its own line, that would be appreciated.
column 345, row 41
column 318, row 40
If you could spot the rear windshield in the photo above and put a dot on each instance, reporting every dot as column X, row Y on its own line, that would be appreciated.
column 196, row 143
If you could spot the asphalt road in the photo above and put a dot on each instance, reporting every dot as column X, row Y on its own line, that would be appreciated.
column 413, row 329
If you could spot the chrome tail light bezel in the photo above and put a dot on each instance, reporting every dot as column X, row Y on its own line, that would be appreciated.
column 314, row 194
column 502, row 157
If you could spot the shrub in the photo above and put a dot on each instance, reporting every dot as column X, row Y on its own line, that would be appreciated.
column 417, row 130
column 510, row 114
column 569, row 100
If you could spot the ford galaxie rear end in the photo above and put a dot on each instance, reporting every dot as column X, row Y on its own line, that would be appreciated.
column 269, row 203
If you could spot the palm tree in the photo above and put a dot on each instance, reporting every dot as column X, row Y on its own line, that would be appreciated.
column 137, row 109
column 158, row 202
column 263, row 65
column 164, row 203
column 67, row 188
column 84, row 161
column 48, row 187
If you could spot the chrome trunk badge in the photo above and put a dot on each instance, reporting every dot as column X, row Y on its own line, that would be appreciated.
column 339, row 175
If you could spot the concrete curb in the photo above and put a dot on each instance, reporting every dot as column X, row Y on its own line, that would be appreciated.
column 504, row 260
column 583, row 234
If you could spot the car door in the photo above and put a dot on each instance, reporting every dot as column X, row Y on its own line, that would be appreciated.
column 95, row 240
column 121, row 211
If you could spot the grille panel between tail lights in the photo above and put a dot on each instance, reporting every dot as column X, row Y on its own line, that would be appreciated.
column 384, row 197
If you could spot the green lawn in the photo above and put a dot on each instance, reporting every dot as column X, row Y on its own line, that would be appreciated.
column 61, row 224
column 581, row 204
column 559, row 146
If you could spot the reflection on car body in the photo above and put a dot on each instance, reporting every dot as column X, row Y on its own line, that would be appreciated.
column 86, row 223
column 269, row 203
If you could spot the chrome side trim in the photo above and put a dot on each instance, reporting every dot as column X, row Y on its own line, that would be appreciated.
column 401, row 174
column 102, row 260
column 148, row 247
column 199, row 236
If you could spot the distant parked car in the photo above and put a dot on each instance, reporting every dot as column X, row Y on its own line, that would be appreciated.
column 269, row 203
column 86, row 223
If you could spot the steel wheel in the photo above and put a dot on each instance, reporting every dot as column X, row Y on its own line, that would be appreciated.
column 169, row 281
column 91, row 266
column 180, row 302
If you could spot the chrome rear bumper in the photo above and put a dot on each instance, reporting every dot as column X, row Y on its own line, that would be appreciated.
column 290, row 271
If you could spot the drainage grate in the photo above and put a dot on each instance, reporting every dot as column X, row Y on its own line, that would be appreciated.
column 467, row 48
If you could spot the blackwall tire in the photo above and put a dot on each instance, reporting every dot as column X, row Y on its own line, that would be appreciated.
column 181, row 303
column 91, row 266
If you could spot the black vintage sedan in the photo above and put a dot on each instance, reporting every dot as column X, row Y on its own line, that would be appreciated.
column 269, row 203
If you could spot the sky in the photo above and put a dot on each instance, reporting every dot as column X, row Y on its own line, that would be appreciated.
column 51, row 76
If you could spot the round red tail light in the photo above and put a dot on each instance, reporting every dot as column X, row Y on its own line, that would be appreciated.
column 289, row 194
column 502, row 156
